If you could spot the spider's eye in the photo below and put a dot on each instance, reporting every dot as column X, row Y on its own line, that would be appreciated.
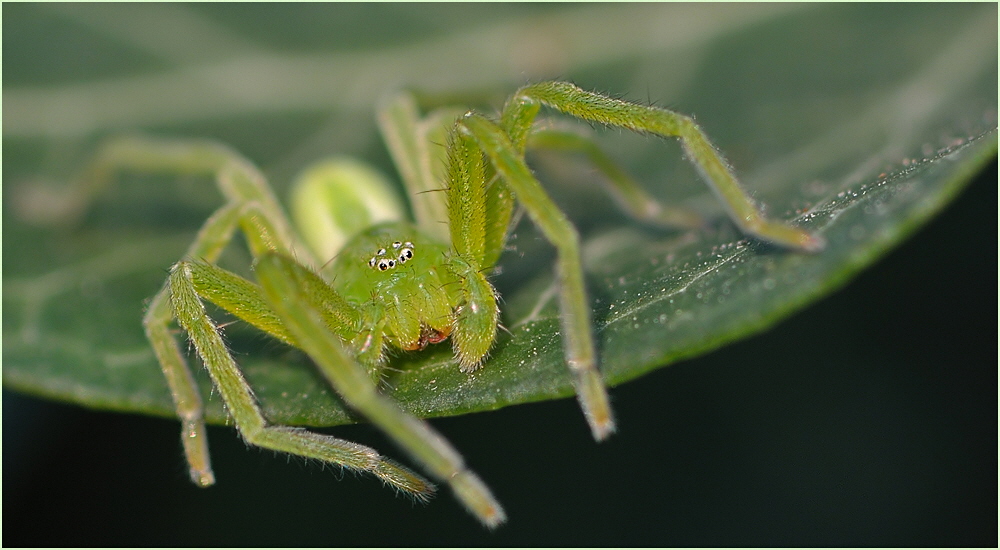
column 401, row 253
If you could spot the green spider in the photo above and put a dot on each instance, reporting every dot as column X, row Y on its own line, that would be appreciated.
column 393, row 283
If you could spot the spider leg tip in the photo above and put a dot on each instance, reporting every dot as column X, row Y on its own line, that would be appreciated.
column 603, row 429
column 202, row 478
column 495, row 520
column 815, row 243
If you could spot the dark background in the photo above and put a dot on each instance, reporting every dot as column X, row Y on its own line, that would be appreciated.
column 886, row 436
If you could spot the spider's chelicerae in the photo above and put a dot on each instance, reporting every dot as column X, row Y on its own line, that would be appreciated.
column 394, row 282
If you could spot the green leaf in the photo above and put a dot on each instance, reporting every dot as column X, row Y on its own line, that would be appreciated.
column 857, row 122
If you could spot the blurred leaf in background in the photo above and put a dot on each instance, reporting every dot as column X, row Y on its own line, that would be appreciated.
column 860, row 122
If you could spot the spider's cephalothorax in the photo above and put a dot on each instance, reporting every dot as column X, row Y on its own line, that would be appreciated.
column 412, row 292
column 398, row 283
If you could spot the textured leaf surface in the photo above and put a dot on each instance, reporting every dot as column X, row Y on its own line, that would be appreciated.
column 857, row 130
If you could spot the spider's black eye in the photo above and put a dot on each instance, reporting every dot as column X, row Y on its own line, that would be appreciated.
column 384, row 264
column 371, row 262
column 405, row 254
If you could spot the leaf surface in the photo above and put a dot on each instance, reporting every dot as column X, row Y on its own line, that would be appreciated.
column 857, row 130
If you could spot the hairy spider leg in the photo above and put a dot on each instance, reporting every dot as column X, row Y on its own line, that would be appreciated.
column 476, row 320
column 246, row 413
column 281, row 280
column 520, row 111
column 574, row 317
column 630, row 196
column 175, row 298
column 480, row 207
column 418, row 148
column 251, row 205
column 238, row 181
column 216, row 231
